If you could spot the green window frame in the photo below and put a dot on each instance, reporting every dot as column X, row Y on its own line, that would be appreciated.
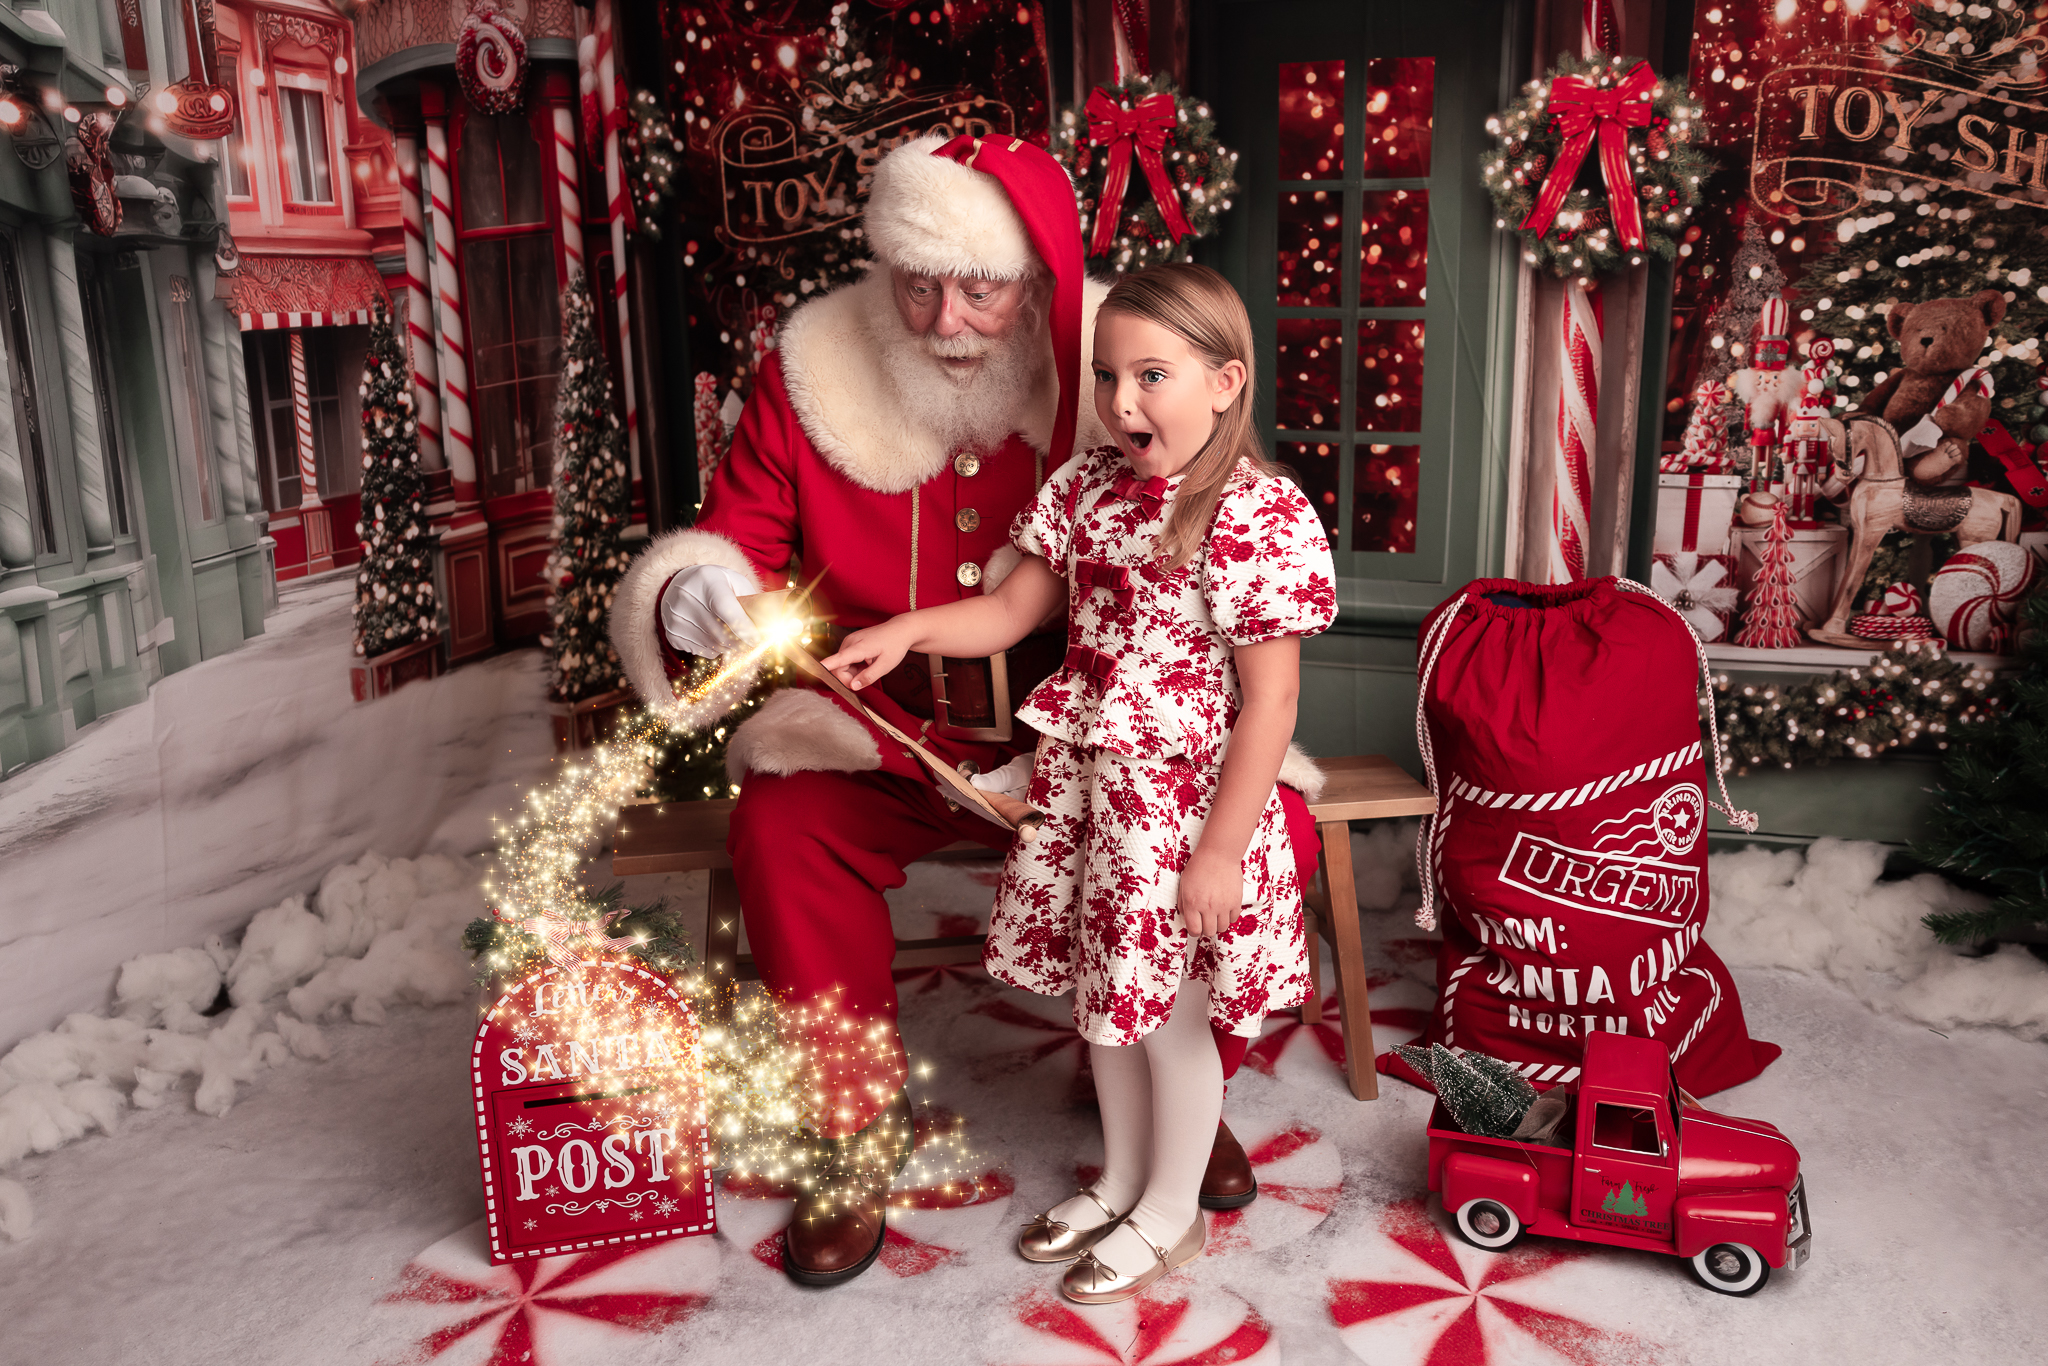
column 1468, row 309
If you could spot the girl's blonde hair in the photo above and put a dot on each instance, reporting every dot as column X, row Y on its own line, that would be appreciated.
column 1198, row 305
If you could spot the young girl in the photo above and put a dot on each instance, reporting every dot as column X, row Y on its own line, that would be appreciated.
column 1161, row 889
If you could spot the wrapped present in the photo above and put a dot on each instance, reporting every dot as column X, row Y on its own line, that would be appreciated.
column 1694, row 512
column 1701, row 587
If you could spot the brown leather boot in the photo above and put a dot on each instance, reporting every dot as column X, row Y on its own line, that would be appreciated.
column 1228, row 1183
column 839, row 1224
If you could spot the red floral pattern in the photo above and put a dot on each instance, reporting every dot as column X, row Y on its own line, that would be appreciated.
column 1129, row 763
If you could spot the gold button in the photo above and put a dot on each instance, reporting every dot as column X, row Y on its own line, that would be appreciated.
column 969, row 573
column 967, row 464
column 967, row 519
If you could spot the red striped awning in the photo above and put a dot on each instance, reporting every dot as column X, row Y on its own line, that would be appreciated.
column 305, row 291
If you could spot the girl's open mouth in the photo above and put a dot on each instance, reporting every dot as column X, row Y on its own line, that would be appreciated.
column 1139, row 440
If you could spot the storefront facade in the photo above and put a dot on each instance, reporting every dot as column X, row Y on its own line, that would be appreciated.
column 132, row 532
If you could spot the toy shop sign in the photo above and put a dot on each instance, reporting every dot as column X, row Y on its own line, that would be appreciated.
column 590, row 1112
column 1829, row 124
column 781, row 182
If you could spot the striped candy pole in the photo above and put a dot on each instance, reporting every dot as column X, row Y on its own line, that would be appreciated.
column 1578, row 414
column 302, row 422
column 618, row 211
column 458, row 435
column 419, row 310
column 569, row 188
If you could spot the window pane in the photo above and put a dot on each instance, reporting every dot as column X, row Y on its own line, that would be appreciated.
column 536, row 305
column 525, row 186
column 235, row 154
column 1312, row 120
column 1400, row 93
column 306, row 145
column 490, row 325
column 1306, row 385
column 1316, row 466
column 93, row 301
column 1393, row 230
column 286, row 490
column 27, row 410
column 483, row 198
column 1389, row 375
column 1310, row 227
column 1383, row 498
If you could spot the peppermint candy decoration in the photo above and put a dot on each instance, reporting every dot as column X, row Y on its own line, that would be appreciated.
column 490, row 62
column 1899, row 600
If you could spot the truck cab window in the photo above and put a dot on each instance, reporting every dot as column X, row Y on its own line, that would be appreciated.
column 1629, row 1128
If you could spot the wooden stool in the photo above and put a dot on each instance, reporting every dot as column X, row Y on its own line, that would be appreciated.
column 677, row 837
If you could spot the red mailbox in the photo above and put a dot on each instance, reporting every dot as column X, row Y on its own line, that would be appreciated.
column 590, row 1121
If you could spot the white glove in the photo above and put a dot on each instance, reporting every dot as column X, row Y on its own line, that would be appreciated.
column 701, row 612
column 1011, row 780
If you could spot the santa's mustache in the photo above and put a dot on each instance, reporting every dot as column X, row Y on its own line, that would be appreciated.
column 964, row 346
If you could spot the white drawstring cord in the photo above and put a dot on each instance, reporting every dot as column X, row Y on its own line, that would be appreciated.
column 1431, row 646
column 1745, row 821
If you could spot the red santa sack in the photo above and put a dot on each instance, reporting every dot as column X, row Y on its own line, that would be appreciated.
column 1560, row 728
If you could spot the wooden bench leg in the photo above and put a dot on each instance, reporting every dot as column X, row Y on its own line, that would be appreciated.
column 1315, row 905
column 721, row 943
column 1352, row 997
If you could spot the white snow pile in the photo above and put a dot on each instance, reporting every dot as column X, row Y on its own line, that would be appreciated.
column 1824, row 911
column 378, row 932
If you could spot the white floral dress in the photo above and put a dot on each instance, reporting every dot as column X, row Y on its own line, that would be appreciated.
column 1134, row 730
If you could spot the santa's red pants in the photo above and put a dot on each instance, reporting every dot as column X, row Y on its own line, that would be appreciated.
column 813, row 854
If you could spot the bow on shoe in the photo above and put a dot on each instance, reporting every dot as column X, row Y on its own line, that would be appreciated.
column 1097, row 665
column 1150, row 493
column 1581, row 107
column 1145, row 128
column 1114, row 579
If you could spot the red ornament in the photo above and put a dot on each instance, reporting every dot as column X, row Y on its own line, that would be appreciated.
column 490, row 62
column 92, row 175
column 589, row 1087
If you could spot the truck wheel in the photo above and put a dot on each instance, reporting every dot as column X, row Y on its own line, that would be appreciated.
column 1489, row 1224
column 1731, row 1268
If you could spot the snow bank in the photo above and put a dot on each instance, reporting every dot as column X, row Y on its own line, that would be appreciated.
column 1825, row 911
column 378, row 932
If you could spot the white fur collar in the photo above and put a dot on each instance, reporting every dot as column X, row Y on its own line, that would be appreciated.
column 833, row 372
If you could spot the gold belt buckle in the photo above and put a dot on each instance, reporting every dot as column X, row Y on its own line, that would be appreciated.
column 959, row 687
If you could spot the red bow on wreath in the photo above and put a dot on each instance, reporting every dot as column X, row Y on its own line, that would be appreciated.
column 1146, row 127
column 1579, row 107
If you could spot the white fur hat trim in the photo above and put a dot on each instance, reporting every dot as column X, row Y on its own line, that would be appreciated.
column 933, row 215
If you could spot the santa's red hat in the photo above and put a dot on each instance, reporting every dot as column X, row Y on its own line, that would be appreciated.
column 988, row 207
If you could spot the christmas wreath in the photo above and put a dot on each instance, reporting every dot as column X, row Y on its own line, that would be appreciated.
column 490, row 62
column 1186, row 177
column 652, row 151
column 1596, row 166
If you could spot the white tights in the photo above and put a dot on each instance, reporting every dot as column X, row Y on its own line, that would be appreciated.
column 1161, row 1099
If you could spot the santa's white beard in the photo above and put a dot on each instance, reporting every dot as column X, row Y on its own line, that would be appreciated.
column 974, row 408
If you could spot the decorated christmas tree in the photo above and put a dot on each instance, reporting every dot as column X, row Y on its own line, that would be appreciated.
column 1774, row 621
column 1753, row 278
column 1991, row 812
column 1912, row 241
column 395, row 600
column 592, row 502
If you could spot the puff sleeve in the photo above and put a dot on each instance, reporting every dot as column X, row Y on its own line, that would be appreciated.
column 1266, row 568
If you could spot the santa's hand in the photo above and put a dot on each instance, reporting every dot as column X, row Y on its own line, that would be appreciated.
column 1011, row 780
column 701, row 612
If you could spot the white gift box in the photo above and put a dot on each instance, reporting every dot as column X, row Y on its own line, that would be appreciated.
column 1694, row 512
column 1817, row 554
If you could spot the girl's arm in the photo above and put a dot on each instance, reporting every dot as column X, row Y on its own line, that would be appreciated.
column 1212, row 884
column 972, row 626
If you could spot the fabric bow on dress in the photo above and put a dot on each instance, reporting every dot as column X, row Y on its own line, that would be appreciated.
column 1151, row 493
column 1114, row 579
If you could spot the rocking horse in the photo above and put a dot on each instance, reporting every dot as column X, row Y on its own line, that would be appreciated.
column 1881, row 500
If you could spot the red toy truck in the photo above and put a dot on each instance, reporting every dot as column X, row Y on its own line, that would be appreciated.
column 1635, row 1163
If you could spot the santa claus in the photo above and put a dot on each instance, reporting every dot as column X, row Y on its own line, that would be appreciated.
column 899, row 427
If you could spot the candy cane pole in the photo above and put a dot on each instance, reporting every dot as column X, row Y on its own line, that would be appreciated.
column 419, row 311
column 457, row 432
column 569, row 188
column 616, row 209
column 1578, row 415
column 1578, row 398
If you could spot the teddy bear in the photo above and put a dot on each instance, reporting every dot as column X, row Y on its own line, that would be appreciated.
column 1938, row 341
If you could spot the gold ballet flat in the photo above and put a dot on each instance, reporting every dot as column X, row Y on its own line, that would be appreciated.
column 1091, row 1281
column 1046, row 1239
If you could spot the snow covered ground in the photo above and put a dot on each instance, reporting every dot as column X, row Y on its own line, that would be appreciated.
column 295, row 1181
